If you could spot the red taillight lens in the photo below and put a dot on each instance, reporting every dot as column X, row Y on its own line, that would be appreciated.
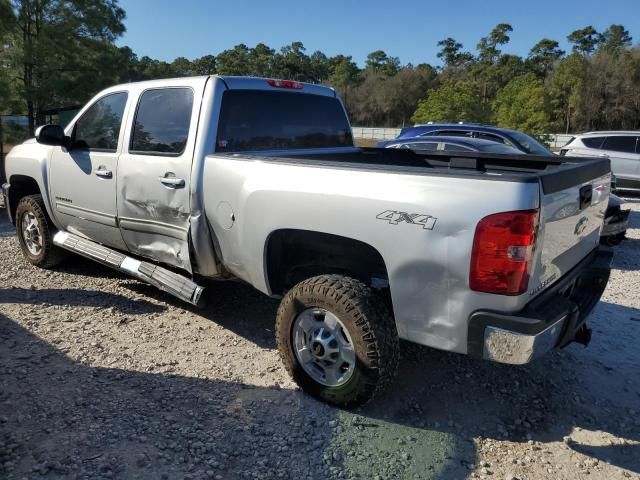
column 285, row 84
column 502, row 252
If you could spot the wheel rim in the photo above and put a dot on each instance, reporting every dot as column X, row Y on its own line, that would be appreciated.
column 324, row 347
column 31, row 233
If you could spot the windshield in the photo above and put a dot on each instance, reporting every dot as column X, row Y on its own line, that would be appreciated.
column 254, row 120
column 529, row 144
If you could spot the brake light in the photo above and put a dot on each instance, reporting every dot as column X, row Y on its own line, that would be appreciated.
column 502, row 252
column 285, row 84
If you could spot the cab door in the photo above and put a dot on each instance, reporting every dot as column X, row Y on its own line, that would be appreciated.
column 82, row 178
column 154, row 173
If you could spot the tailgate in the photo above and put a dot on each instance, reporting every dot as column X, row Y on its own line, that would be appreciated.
column 573, row 203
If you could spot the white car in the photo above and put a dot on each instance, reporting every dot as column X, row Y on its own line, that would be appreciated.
column 621, row 147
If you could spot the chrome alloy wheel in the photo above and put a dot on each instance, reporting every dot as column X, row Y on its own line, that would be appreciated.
column 31, row 233
column 324, row 347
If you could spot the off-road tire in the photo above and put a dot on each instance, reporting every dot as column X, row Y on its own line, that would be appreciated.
column 371, row 327
column 50, row 255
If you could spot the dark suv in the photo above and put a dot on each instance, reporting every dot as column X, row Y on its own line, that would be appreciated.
column 513, row 138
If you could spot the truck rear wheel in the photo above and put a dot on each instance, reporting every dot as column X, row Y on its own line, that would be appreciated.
column 337, row 339
column 35, row 233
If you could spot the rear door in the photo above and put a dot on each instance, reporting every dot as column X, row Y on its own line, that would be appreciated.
column 155, row 169
column 621, row 150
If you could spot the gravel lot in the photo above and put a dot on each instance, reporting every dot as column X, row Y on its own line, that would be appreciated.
column 104, row 377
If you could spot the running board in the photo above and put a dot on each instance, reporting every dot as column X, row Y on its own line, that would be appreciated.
column 160, row 277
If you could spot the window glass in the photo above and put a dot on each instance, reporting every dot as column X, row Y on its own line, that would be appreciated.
column 495, row 147
column 162, row 121
column 452, row 147
column 274, row 120
column 593, row 142
column 620, row 144
column 99, row 127
column 423, row 146
column 488, row 136
column 453, row 133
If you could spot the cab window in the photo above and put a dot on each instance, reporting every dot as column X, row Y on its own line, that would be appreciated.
column 98, row 128
column 161, row 125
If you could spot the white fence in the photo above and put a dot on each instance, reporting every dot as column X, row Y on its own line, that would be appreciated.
column 555, row 140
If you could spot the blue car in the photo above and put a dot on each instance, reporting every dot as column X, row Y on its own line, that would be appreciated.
column 518, row 140
column 452, row 144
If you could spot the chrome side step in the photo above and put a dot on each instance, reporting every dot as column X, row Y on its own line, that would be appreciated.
column 160, row 277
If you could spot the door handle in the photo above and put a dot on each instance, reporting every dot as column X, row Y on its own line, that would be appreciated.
column 102, row 172
column 603, row 155
column 172, row 182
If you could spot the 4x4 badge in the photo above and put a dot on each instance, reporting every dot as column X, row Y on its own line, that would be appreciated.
column 394, row 218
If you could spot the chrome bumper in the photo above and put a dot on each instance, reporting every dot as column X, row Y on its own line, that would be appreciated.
column 505, row 346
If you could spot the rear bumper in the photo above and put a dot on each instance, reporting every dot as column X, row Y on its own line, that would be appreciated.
column 615, row 224
column 553, row 319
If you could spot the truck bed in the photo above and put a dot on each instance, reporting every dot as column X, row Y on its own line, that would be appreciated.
column 554, row 173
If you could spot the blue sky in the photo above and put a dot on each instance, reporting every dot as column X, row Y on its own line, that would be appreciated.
column 165, row 29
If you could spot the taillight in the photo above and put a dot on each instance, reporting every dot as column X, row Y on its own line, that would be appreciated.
column 502, row 252
column 285, row 84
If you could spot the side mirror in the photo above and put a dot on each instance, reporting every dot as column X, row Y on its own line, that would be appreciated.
column 50, row 135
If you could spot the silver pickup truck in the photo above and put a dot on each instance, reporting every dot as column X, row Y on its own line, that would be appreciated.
column 177, row 182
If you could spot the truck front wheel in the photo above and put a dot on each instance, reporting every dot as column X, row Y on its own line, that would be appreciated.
column 337, row 339
column 35, row 233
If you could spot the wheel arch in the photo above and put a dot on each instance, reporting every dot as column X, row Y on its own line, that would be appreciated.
column 21, row 186
column 292, row 255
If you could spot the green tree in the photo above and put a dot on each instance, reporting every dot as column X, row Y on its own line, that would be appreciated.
column 379, row 62
column 488, row 51
column 262, row 60
column 343, row 75
column 451, row 53
column 452, row 101
column 523, row 104
column 53, row 41
column 234, row 61
column 615, row 39
column 565, row 87
column 543, row 56
column 205, row 65
column 584, row 40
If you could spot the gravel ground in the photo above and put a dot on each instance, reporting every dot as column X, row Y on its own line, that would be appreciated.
column 104, row 377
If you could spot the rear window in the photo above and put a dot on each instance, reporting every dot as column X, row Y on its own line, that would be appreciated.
column 620, row 144
column 254, row 120
column 592, row 142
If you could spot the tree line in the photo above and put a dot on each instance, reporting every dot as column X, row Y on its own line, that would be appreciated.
column 56, row 53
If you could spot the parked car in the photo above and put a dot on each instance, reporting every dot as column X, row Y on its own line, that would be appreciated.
column 616, row 219
column 513, row 138
column 180, row 180
column 621, row 147
column 452, row 144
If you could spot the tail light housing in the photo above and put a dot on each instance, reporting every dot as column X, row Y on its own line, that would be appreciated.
column 285, row 84
column 502, row 252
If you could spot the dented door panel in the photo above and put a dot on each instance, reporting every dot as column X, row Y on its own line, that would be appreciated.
column 154, row 172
